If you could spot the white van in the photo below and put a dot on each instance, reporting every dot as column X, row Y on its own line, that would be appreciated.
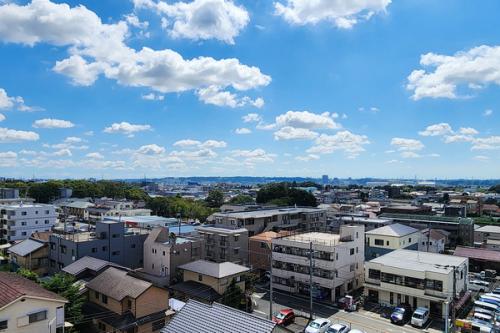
column 483, row 316
column 486, row 306
column 420, row 317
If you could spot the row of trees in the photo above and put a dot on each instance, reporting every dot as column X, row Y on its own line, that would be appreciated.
column 284, row 194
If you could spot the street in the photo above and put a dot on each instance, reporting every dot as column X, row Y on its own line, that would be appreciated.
column 366, row 321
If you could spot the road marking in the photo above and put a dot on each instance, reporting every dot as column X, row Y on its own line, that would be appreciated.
column 260, row 312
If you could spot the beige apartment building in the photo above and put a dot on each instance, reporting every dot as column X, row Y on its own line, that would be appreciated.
column 224, row 243
column 337, row 262
column 417, row 278
column 286, row 218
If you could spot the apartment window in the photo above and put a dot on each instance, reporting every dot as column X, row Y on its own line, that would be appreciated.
column 115, row 235
column 115, row 253
column 36, row 222
column 104, row 248
column 24, row 233
column 72, row 252
column 409, row 240
column 236, row 251
column 104, row 299
column 336, row 256
column 152, row 266
column 351, row 251
column 132, row 246
column 24, row 213
column 387, row 243
column 357, row 250
column 96, row 294
column 379, row 242
column 357, row 234
column 94, row 250
column 200, row 277
column 434, row 285
column 46, row 221
column 3, row 325
column 236, row 238
column 23, row 223
column 38, row 316
column 351, row 268
column 374, row 274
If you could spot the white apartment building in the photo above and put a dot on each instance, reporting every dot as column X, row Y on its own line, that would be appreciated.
column 337, row 262
column 18, row 222
column 417, row 278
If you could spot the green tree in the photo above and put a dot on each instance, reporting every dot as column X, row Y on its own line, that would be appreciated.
column 65, row 286
column 241, row 199
column 233, row 296
column 283, row 194
column 26, row 273
column 215, row 198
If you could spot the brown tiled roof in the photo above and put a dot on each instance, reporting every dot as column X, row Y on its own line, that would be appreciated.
column 13, row 286
column 117, row 284
column 477, row 253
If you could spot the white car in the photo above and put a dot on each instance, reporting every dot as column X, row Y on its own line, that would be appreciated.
column 319, row 325
column 420, row 317
column 338, row 328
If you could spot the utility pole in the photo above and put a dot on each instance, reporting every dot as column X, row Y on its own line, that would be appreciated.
column 453, row 298
column 447, row 315
column 310, row 280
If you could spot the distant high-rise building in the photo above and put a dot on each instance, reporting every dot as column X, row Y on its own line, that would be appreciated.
column 325, row 179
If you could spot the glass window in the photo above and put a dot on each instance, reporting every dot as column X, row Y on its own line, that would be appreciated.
column 3, row 325
column 104, row 299
column 379, row 242
column 38, row 316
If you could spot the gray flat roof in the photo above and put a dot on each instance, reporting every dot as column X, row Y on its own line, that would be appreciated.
column 419, row 261
column 217, row 270
column 489, row 228
column 221, row 229
column 269, row 212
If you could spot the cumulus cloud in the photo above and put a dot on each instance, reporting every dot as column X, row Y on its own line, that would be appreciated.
column 194, row 154
column 152, row 149
column 487, row 112
column 126, row 128
column 468, row 131
column 410, row 154
column 99, row 49
column 153, row 97
column 11, row 135
column 436, row 130
column 306, row 119
column 487, row 143
column 403, row 144
column 242, row 130
column 351, row 144
column 215, row 96
column 200, row 19
column 17, row 102
column 252, row 117
column 210, row 144
column 292, row 133
column 95, row 156
column 258, row 155
column 307, row 158
column 475, row 68
column 2, row 117
column 52, row 123
column 8, row 159
column 342, row 14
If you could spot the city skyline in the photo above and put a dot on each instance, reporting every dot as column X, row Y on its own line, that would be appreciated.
column 254, row 88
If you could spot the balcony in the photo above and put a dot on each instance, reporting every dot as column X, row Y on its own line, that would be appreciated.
column 304, row 278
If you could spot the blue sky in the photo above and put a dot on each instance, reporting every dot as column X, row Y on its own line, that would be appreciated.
column 230, row 87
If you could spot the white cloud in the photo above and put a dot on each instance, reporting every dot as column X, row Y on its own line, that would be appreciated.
column 474, row 68
column 481, row 158
column 8, row 102
column 89, row 133
column 407, row 144
column 265, row 127
column 343, row 14
column 307, row 158
column 99, row 49
column 306, row 119
column 186, row 143
column 487, row 112
column 194, row 154
column 62, row 152
column 350, row 143
column 153, row 97
column 8, row 159
column 134, row 21
column 410, row 154
column 213, row 144
column 292, row 133
column 468, row 131
column 95, row 156
column 152, row 149
column 52, row 123
column 242, row 130
column 209, row 144
column 488, row 143
column 126, row 128
column 254, row 156
column 200, row 19
column 436, row 130
column 2, row 117
column 73, row 139
column 215, row 96
column 11, row 135
column 252, row 117
column 458, row 138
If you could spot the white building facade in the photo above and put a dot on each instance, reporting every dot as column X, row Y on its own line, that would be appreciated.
column 417, row 278
column 337, row 267
column 18, row 222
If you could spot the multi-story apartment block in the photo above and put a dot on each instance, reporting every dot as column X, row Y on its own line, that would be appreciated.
column 18, row 222
column 289, row 218
column 337, row 266
column 224, row 243
column 131, row 305
column 260, row 249
column 110, row 241
column 389, row 238
column 26, row 307
column 417, row 278
column 163, row 254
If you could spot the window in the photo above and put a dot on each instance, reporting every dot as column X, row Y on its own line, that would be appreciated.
column 24, row 213
column 152, row 266
column 115, row 235
column 38, row 316
column 409, row 240
column 46, row 221
column 391, row 298
column 374, row 274
column 104, row 248
column 101, row 326
column 236, row 238
column 24, row 233
column 129, row 303
column 352, row 251
column 379, row 242
column 387, row 243
column 47, row 212
column 132, row 246
column 357, row 250
column 23, row 223
column 163, row 253
column 104, row 299
column 200, row 277
column 96, row 294
column 3, row 325
column 115, row 253
column 236, row 251
column 36, row 212
column 94, row 250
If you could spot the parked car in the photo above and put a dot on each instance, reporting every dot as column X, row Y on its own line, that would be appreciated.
column 401, row 314
column 420, row 317
column 476, row 287
column 284, row 317
column 480, row 282
column 319, row 325
column 338, row 328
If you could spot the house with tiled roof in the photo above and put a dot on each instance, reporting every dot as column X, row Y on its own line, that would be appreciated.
column 26, row 307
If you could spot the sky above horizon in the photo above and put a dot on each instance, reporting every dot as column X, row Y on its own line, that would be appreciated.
column 157, row 88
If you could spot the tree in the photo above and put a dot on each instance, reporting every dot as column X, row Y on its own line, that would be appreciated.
column 241, row 199
column 26, row 273
column 283, row 194
column 63, row 285
column 233, row 296
column 215, row 198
